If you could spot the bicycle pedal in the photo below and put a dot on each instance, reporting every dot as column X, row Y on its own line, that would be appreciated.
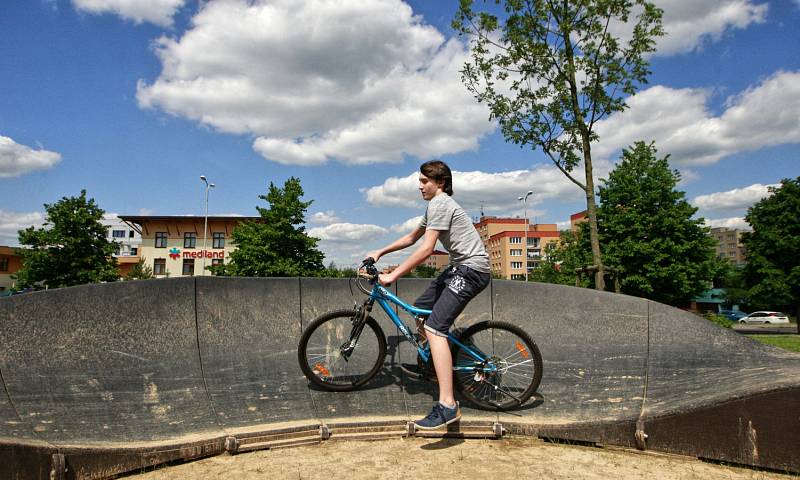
column 416, row 374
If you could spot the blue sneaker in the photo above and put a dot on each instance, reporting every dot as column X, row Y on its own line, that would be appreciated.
column 439, row 417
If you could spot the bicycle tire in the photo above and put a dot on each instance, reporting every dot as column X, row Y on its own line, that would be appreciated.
column 320, row 357
column 518, row 360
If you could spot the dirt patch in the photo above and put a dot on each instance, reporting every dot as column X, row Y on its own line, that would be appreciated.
column 417, row 458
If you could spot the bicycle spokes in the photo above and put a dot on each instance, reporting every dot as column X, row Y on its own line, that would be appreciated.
column 339, row 353
column 505, row 375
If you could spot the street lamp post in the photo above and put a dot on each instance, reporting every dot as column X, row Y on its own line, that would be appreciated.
column 525, row 248
column 205, row 223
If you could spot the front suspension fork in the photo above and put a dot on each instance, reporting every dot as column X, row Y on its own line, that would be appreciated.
column 359, row 320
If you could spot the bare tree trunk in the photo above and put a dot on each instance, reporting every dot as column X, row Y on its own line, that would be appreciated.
column 591, row 212
column 591, row 207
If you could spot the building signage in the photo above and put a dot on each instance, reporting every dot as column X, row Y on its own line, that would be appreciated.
column 204, row 253
column 175, row 253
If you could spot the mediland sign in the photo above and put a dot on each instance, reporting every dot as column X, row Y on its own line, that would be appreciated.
column 204, row 254
column 175, row 253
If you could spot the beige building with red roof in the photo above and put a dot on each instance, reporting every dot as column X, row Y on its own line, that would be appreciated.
column 174, row 246
column 505, row 241
column 10, row 263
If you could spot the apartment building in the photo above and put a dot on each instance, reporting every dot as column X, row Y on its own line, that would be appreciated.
column 10, row 263
column 125, row 236
column 128, row 241
column 505, row 240
column 576, row 219
column 174, row 246
column 729, row 244
column 438, row 260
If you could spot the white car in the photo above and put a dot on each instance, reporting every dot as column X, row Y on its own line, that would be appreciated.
column 765, row 317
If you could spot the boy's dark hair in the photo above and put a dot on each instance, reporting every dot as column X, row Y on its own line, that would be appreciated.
column 438, row 171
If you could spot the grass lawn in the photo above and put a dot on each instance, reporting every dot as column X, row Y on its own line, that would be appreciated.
column 788, row 342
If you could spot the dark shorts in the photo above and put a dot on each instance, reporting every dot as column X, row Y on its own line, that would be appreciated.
column 448, row 295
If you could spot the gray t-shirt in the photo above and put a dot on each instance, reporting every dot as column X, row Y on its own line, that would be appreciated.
column 456, row 232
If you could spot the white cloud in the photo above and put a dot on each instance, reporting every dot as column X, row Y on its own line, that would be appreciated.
column 347, row 232
column 408, row 225
column 159, row 12
column 565, row 225
column 688, row 176
column 689, row 25
column 683, row 126
column 324, row 218
column 730, row 222
column 733, row 199
column 358, row 81
column 495, row 192
column 12, row 222
column 16, row 159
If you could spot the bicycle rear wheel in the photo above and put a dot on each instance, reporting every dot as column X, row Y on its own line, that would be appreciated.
column 321, row 351
column 512, row 372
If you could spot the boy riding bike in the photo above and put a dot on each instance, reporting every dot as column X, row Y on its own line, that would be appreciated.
column 448, row 295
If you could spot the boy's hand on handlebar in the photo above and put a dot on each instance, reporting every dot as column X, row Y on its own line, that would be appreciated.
column 375, row 256
column 385, row 279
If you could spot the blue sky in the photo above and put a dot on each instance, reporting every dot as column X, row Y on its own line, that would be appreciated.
column 133, row 100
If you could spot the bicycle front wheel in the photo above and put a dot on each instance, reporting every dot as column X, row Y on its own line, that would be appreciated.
column 512, row 370
column 323, row 357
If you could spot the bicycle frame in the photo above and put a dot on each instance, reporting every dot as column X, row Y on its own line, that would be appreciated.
column 384, row 298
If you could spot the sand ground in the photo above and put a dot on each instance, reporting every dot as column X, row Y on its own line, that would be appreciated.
column 419, row 458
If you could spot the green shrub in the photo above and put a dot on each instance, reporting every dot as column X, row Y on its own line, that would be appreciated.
column 720, row 320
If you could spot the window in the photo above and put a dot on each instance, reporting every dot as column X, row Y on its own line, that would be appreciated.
column 130, row 234
column 134, row 250
column 516, row 265
column 216, row 261
column 118, row 233
column 534, row 241
column 161, row 240
column 160, row 266
column 188, row 266
column 516, row 252
column 189, row 240
column 219, row 240
column 515, row 240
column 3, row 264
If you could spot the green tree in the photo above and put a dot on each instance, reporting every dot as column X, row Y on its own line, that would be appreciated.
column 70, row 249
column 424, row 271
column 646, row 225
column 561, row 260
column 772, row 273
column 731, row 278
column 333, row 271
column 277, row 245
column 550, row 70
column 140, row 271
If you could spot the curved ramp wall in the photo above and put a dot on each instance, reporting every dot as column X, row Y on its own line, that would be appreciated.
column 103, row 379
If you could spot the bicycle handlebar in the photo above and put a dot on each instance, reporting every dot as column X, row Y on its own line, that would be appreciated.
column 370, row 272
column 368, row 265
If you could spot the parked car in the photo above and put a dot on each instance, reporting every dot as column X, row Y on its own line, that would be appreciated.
column 765, row 317
column 733, row 315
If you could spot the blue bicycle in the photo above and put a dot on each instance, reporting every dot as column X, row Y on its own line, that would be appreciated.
column 496, row 364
